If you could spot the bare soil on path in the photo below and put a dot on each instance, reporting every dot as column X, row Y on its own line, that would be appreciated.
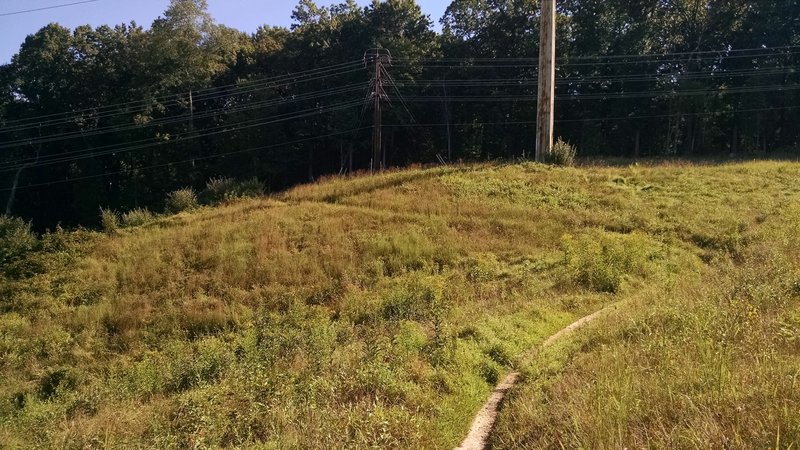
column 483, row 424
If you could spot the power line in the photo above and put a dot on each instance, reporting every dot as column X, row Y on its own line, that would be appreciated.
column 63, row 157
column 265, row 83
column 63, row 5
column 71, row 120
column 609, row 95
column 677, row 77
column 151, row 143
column 412, row 83
column 186, row 161
column 531, row 63
column 711, row 53
column 597, row 119
column 416, row 125
column 254, row 85
column 183, row 117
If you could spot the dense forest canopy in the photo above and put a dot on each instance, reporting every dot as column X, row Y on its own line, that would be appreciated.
column 119, row 116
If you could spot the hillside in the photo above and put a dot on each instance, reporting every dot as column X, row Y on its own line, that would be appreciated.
column 380, row 312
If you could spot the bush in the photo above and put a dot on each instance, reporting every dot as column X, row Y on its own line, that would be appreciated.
column 563, row 154
column 109, row 220
column 181, row 200
column 249, row 188
column 16, row 239
column 223, row 189
column 417, row 298
column 137, row 217
column 601, row 261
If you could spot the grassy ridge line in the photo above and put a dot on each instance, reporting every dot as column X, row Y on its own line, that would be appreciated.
column 188, row 323
column 349, row 313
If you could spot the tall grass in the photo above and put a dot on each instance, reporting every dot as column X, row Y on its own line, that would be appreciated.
column 369, row 311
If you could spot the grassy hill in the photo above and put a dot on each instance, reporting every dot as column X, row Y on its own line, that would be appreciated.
column 380, row 311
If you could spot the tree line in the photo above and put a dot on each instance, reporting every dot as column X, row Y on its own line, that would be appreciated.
column 118, row 116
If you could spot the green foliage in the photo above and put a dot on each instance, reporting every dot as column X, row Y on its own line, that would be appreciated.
column 224, row 189
column 562, row 154
column 416, row 298
column 364, row 312
column 181, row 200
column 168, row 67
column 137, row 217
column 180, row 366
column 109, row 220
column 402, row 252
column 602, row 261
column 16, row 239
column 57, row 381
column 694, row 343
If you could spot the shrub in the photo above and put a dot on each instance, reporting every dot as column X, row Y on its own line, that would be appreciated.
column 562, row 154
column 57, row 381
column 16, row 239
column 109, row 220
column 601, row 261
column 416, row 298
column 402, row 252
column 489, row 371
column 223, row 189
column 216, row 188
column 249, row 188
column 137, row 217
column 181, row 200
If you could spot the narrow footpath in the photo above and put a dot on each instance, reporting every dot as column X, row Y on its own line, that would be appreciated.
column 482, row 426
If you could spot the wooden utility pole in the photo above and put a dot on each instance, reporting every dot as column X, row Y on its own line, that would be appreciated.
column 380, row 57
column 547, row 75
column 377, row 118
column 447, row 121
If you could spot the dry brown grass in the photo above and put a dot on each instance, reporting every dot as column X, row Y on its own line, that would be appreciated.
column 357, row 312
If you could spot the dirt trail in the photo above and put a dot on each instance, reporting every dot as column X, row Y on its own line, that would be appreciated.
column 483, row 424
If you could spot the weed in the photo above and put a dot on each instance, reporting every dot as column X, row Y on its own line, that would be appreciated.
column 562, row 153
column 181, row 200
column 137, row 217
column 602, row 261
column 16, row 239
column 379, row 311
column 224, row 189
column 109, row 221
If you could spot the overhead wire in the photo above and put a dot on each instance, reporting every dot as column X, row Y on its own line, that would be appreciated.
column 185, row 117
column 172, row 99
column 533, row 64
column 616, row 56
column 185, row 161
column 241, row 90
column 411, row 83
column 46, row 8
column 607, row 95
column 596, row 119
column 151, row 143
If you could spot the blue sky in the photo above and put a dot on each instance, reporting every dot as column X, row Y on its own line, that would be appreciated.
column 245, row 15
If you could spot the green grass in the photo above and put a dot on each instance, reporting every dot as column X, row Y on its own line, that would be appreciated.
column 379, row 311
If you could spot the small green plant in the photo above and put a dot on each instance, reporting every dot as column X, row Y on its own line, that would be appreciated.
column 217, row 188
column 181, row 200
column 223, row 189
column 16, row 239
column 137, row 217
column 562, row 154
column 249, row 188
column 601, row 261
column 109, row 220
